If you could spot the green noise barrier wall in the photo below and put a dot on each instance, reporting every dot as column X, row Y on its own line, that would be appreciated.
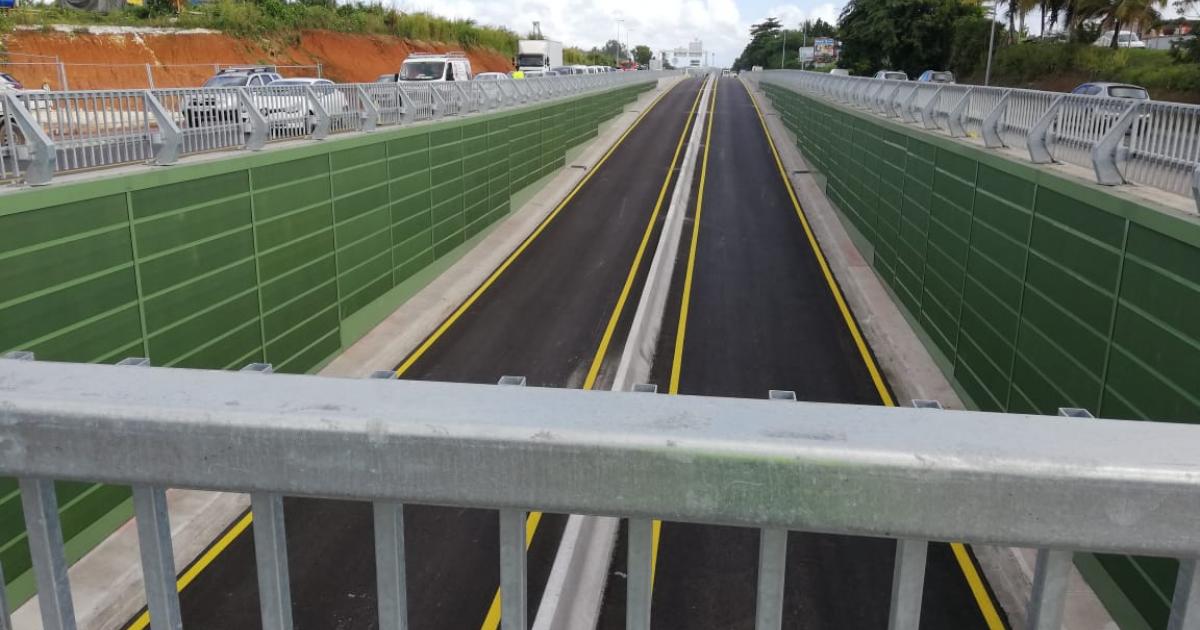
column 257, row 257
column 1034, row 292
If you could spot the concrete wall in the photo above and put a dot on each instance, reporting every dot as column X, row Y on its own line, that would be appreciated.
column 284, row 256
column 1033, row 291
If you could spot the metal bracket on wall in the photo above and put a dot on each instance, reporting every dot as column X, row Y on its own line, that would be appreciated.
column 256, row 137
column 42, row 160
column 168, row 142
column 1039, row 152
column 1196, row 186
column 957, row 113
column 991, row 123
column 927, row 118
column 906, row 110
column 320, row 128
column 1104, row 154
column 370, row 113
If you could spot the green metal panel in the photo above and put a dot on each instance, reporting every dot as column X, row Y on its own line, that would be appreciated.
column 258, row 257
column 1033, row 291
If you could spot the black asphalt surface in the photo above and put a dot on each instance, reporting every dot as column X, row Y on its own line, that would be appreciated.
column 761, row 317
column 543, row 318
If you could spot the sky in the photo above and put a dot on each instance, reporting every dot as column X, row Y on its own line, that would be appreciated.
column 723, row 25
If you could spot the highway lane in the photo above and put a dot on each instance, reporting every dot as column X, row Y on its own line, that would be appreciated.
column 546, row 313
column 752, row 311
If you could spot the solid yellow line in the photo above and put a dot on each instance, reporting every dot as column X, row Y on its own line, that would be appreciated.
column 986, row 607
column 492, row 620
column 598, row 359
column 491, row 279
column 685, row 304
column 143, row 620
column 876, row 376
column 681, row 331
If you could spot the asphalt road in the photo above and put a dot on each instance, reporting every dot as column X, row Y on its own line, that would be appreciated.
column 762, row 316
column 544, row 318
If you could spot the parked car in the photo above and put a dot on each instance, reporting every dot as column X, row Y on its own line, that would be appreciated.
column 496, row 76
column 894, row 75
column 1114, row 90
column 243, row 76
column 563, row 69
column 840, row 72
column 286, row 105
column 9, row 82
column 436, row 67
column 217, row 107
column 1125, row 39
column 936, row 76
column 390, row 77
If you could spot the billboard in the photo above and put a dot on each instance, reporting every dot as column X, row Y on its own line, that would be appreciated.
column 825, row 50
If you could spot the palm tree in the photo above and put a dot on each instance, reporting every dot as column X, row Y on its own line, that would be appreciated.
column 1120, row 13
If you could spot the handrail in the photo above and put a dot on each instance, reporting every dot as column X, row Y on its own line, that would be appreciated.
column 68, row 131
column 911, row 474
column 1122, row 141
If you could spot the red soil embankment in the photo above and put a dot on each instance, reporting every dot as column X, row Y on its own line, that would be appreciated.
column 186, row 59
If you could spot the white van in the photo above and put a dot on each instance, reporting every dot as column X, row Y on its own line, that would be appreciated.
column 436, row 67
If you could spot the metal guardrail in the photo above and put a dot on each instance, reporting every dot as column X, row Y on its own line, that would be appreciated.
column 82, row 130
column 1151, row 143
column 1068, row 484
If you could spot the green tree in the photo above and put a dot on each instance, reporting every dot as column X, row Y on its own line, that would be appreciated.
column 908, row 35
column 642, row 54
column 614, row 51
column 1118, row 14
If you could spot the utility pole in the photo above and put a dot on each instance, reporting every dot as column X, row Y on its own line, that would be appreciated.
column 617, row 56
column 783, row 48
column 987, row 73
column 803, row 41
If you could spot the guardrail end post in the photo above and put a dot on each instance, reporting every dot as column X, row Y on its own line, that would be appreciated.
column 256, row 133
column 42, row 160
column 168, row 143
column 955, row 120
column 1104, row 154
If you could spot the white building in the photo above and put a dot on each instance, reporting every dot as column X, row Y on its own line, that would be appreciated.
column 690, row 57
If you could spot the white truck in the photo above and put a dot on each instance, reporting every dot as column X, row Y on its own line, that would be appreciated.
column 435, row 67
column 538, row 54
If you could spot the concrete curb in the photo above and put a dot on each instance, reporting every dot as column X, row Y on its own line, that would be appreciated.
column 912, row 373
column 575, row 589
column 106, row 584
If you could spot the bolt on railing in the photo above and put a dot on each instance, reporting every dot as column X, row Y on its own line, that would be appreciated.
column 44, row 133
column 916, row 475
column 1122, row 141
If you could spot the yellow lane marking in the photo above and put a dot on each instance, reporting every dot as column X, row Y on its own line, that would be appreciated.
column 677, row 360
column 986, row 607
column 143, row 620
column 491, row 279
column 492, row 620
column 598, row 359
column 685, row 304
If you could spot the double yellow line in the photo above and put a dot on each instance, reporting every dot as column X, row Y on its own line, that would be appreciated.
column 142, row 621
column 986, row 607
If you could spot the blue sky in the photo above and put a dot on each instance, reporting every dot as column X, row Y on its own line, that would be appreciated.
column 723, row 25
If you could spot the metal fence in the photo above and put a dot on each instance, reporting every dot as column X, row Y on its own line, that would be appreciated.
column 915, row 475
column 46, row 132
column 1150, row 143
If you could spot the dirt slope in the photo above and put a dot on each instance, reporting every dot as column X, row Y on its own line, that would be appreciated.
column 186, row 59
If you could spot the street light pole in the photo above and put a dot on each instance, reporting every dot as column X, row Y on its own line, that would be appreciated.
column 987, row 73
column 783, row 48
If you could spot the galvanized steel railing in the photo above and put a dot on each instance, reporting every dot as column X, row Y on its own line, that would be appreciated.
column 45, row 133
column 1149, row 143
column 1068, row 484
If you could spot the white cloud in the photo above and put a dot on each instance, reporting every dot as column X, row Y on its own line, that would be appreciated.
column 660, row 24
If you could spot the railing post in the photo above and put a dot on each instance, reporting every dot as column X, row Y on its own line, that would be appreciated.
column 5, row 620
column 1196, row 186
column 407, row 106
column 1050, row 579
column 889, row 107
column 906, row 109
column 369, row 117
column 320, row 129
column 169, row 138
column 270, row 554
column 42, row 160
column 44, row 531
column 256, row 136
column 1039, row 152
column 1104, row 154
column 957, row 113
column 990, row 129
column 927, row 119
column 1185, row 604
column 439, row 103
